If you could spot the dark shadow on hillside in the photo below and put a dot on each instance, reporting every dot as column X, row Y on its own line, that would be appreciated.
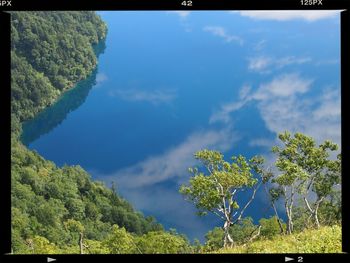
column 54, row 115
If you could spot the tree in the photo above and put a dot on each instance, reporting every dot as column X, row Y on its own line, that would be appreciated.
column 270, row 226
column 96, row 247
column 273, row 194
column 217, row 191
column 214, row 239
column 40, row 245
column 120, row 241
column 160, row 242
column 305, row 168
column 75, row 227
column 330, row 209
column 241, row 233
column 244, row 231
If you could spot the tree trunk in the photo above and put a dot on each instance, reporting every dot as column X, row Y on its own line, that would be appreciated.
column 289, row 219
column 278, row 218
column 314, row 212
column 289, row 227
column 81, row 243
column 318, row 203
column 316, row 220
column 228, row 241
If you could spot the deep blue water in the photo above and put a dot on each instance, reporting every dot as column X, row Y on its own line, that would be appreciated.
column 168, row 85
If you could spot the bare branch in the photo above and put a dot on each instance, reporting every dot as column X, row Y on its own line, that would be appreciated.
column 308, row 205
column 256, row 235
column 217, row 214
column 248, row 203
column 274, row 208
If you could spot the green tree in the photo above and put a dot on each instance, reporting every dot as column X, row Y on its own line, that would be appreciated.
column 160, row 242
column 270, row 227
column 218, row 190
column 76, row 228
column 40, row 245
column 214, row 239
column 241, row 233
column 330, row 209
column 244, row 231
column 305, row 168
column 120, row 241
column 95, row 247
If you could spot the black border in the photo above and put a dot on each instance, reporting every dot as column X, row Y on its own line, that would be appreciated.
column 47, row 5
column 5, row 80
column 345, row 131
column 18, row 5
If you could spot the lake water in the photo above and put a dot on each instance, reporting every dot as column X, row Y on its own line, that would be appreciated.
column 171, row 83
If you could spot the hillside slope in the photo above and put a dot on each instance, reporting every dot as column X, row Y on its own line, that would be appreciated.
column 324, row 240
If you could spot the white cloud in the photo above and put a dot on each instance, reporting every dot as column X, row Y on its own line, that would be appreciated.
column 221, row 32
column 245, row 90
column 260, row 63
column 282, row 62
column 169, row 205
column 317, row 117
column 329, row 107
column 261, row 142
column 264, row 64
column 101, row 77
column 154, row 96
column 283, row 86
column 327, row 62
column 260, row 45
column 284, row 15
column 181, row 14
column 174, row 162
column 223, row 115
column 283, row 107
column 283, row 113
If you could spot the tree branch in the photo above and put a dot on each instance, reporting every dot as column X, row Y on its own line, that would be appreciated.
column 248, row 203
column 308, row 205
column 217, row 214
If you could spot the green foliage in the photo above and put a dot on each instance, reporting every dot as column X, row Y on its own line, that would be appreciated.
column 301, row 159
column 214, row 239
column 270, row 227
column 218, row 191
column 96, row 247
column 50, row 52
column 323, row 240
column 243, row 230
column 119, row 241
column 56, row 203
column 158, row 242
column 330, row 210
column 207, row 191
column 305, row 168
column 40, row 245
column 240, row 233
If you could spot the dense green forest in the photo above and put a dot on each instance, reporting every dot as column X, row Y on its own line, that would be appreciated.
column 50, row 52
column 62, row 210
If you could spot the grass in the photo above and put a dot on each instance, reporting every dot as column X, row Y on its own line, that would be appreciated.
column 324, row 240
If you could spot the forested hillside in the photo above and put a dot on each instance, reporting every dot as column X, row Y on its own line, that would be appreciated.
column 51, row 51
column 61, row 210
